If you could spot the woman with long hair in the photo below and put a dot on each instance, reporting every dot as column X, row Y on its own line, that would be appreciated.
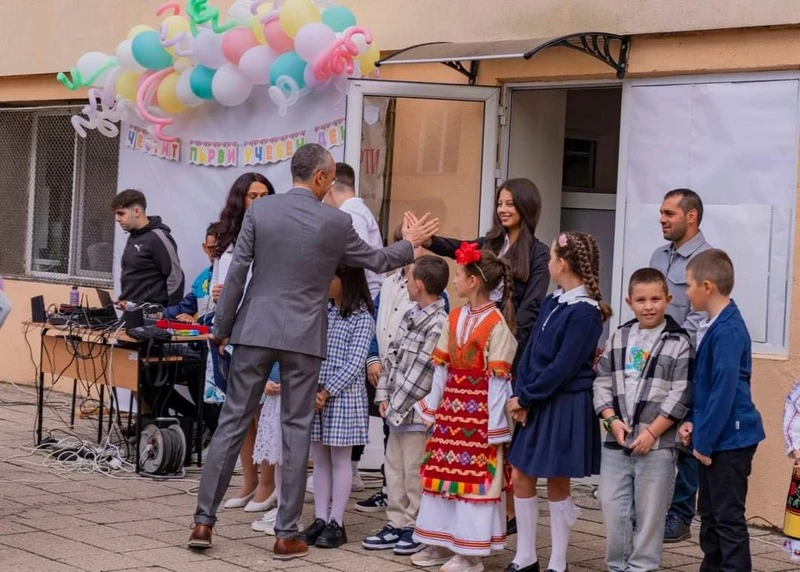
column 257, row 491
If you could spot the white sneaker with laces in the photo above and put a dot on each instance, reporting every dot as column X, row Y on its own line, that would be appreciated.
column 266, row 524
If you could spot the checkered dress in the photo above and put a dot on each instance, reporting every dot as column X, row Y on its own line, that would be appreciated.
column 344, row 421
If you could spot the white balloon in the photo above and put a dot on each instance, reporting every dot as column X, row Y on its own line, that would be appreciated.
column 207, row 48
column 125, row 57
column 90, row 62
column 312, row 39
column 230, row 87
column 255, row 63
column 183, row 89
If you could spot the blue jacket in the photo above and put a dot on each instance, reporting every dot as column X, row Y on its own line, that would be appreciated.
column 724, row 415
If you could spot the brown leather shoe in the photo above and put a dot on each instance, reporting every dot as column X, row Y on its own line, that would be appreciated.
column 200, row 538
column 288, row 548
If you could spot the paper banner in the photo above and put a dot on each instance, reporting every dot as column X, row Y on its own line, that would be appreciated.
column 330, row 134
column 139, row 139
column 213, row 153
column 273, row 150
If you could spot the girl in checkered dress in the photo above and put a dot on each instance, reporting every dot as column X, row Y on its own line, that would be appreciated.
column 341, row 420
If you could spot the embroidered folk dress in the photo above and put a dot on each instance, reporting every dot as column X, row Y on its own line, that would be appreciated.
column 463, row 472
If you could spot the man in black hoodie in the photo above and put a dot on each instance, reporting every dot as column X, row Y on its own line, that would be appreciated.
column 151, row 270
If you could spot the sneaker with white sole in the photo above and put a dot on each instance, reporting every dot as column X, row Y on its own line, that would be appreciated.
column 266, row 524
column 459, row 563
column 385, row 539
column 375, row 503
column 407, row 546
column 431, row 556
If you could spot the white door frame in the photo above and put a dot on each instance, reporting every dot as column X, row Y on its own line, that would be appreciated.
column 489, row 96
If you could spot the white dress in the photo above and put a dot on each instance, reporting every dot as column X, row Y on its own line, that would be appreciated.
column 269, row 445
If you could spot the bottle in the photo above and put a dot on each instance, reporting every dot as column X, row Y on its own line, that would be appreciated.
column 74, row 297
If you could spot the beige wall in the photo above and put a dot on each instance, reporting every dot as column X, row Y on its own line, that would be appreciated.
column 53, row 33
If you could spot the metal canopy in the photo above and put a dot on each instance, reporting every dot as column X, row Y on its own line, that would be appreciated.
column 608, row 48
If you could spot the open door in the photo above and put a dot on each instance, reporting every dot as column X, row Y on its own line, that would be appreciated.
column 427, row 148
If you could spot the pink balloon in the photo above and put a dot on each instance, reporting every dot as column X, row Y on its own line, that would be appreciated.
column 277, row 38
column 236, row 42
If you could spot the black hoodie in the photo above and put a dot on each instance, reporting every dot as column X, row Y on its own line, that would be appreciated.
column 151, row 270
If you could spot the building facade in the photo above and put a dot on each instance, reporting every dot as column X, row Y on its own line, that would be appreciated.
column 692, row 94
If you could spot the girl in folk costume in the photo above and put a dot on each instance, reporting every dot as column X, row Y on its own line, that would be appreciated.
column 558, row 437
column 463, row 481
column 791, row 433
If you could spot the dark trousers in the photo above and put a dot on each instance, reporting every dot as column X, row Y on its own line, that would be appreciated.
column 723, row 530
column 684, row 499
column 358, row 450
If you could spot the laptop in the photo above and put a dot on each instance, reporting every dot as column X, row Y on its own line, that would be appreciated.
column 105, row 298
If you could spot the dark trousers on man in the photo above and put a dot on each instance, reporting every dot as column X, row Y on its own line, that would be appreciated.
column 722, row 494
column 684, row 499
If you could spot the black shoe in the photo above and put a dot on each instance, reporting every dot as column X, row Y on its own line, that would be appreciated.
column 311, row 534
column 511, row 526
column 551, row 570
column 332, row 537
column 530, row 568
column 676, row 530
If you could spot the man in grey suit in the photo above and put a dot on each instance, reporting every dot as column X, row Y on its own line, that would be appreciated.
column 293, row 243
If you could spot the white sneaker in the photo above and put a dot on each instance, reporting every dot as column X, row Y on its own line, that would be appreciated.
column 460, row 563
column 266, row 523
column 431, row 556
column 310, row 484
column 358, row 483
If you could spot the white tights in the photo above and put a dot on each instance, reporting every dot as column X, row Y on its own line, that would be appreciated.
column 333, row 479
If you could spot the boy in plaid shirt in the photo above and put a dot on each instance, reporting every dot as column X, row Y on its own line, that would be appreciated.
column 642, row 392
column 407, row 377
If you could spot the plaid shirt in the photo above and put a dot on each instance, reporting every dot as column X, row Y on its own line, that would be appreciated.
column 408, row 370
column 664, row 388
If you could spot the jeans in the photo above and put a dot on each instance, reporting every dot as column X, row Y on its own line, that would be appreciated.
column 635, row 492
column 684, row 500
column 723, row 530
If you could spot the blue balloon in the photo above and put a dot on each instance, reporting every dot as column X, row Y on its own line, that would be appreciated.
column 148, row 51
column 338, row 18
column 288, row 64
column 200, row 82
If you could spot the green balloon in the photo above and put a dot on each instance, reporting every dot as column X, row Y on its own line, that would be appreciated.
column 200, row 82
column 338, row 18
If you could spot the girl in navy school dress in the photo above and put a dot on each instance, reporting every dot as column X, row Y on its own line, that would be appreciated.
column 557, row 436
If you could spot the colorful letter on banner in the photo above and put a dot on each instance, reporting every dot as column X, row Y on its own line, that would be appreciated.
column 274, row 150
column 214, row 153
column 139, row 139
column 331, row 134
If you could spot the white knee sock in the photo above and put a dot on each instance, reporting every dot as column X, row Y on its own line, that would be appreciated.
column 527, row 513
column 563, row 515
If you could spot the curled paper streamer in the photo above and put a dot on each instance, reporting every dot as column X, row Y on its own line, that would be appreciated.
column 284, row 93
column 75, row 80
column 145, row 95
column 199, row 13
column 340, row 56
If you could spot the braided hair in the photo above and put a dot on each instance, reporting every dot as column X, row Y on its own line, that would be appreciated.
column 580, row 251
column 492, row 270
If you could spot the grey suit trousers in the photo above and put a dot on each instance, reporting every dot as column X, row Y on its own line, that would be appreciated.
column 250, row 366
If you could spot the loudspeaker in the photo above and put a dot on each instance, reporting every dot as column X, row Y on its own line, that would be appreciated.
column 133, row 318
column 38, row 313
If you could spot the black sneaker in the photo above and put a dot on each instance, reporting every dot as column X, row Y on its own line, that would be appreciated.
column 407, row 546
column 511, row 526
column 375, row 503
column 311, row 534
column 386, row 538
column 676, row 530
column 515, row 568
column 332, row 537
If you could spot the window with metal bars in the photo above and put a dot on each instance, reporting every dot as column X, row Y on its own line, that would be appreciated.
column 56, row 189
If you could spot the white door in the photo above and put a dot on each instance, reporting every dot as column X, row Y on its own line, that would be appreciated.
column 425, row 148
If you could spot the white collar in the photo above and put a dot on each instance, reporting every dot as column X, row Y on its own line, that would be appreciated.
column 577, row 294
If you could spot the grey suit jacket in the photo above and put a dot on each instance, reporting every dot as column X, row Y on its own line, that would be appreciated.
column 294, row 243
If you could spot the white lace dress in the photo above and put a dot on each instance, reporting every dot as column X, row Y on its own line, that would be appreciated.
column 269, row 445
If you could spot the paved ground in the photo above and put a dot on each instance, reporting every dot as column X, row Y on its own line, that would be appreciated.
column 55, row 520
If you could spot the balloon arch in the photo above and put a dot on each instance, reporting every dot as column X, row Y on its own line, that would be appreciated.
column 194, row 58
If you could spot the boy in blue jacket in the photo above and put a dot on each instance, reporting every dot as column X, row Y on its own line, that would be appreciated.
column 725, row 426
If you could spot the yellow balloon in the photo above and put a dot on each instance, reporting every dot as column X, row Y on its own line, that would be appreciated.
column 167, row 94
column 136, row 30
column 127, row 85
column 255, row 23
column 297, row 13
column 368, row 60
column 175, row 25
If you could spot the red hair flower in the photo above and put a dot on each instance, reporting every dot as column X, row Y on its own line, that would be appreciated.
column 468, row 253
